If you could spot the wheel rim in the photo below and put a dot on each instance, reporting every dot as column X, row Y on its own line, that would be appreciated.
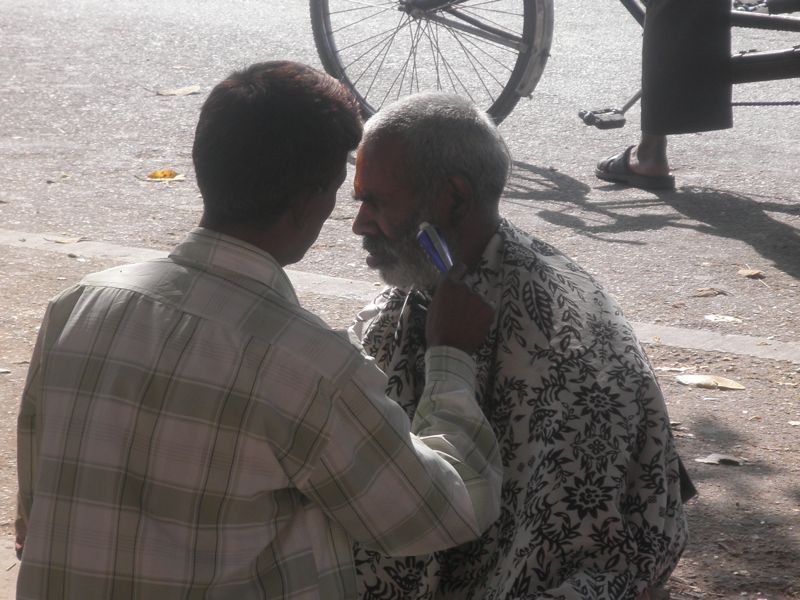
column 387, row 49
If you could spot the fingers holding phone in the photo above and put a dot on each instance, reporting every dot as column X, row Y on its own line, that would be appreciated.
column 457, row 317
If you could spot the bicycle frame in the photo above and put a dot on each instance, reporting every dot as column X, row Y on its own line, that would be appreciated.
column 748, row 67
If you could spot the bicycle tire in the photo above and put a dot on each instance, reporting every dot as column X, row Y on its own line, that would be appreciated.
column 375, row 47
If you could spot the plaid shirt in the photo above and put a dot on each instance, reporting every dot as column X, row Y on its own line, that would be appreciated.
column 189, row 431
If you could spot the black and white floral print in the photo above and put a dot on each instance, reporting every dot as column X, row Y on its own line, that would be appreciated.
column 591, row 496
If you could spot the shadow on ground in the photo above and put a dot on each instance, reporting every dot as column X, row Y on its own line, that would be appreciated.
column 753, row 221
column 741, row 523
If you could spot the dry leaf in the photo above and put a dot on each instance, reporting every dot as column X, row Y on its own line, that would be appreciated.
column 4, row 371
column 729, row 549
column 182, row 91
column 165, row 175
column 719, row 459
column 794, row 423
column 708, row 292
column 722, row 319
column 65, row 240
column 751, row 273
column 709, row 381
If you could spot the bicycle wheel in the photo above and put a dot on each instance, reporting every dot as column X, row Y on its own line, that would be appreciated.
column 491, row 51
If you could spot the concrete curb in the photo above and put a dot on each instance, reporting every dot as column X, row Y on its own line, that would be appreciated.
column 364, row 291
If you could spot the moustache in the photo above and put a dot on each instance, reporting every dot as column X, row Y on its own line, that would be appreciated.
column 377, row 245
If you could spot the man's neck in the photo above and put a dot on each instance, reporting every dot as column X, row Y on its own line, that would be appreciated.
column 268, row 239
column 472, row 236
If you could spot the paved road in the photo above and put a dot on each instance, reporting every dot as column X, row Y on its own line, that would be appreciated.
column 81, row 125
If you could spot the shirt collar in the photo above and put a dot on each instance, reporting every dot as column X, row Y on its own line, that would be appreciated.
column 213, row 251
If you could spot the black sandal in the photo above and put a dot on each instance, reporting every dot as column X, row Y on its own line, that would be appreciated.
column 617, row 169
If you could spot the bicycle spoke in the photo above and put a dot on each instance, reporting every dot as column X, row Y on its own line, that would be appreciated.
column 372, row 15
column 453, row 73
column 360, row 5
column 414, row 71
column 383, row 42
column 472, row 59
column 445, row 65
column 479, row 15
column 448, row 69
column 435, row 55
column 402, row 73
column 391, row 31
column 480, row 28
column 492, row 57
column 480, row 6
column 384, row 54
column 477, row 38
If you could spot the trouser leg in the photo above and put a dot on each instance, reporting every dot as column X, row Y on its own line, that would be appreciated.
column 686, row 83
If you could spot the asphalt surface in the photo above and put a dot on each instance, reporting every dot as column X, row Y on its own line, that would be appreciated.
column 81, row 125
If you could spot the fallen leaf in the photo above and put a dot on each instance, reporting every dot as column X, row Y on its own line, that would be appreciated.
column 751, row 273
column 722, row 319
column 708, row 292
column 794, row 423
column 165, row 175
column 65, row 240
column 709, row 381
column 181, row 91
column 719, row 459
column 728, row 548
column 4, row 371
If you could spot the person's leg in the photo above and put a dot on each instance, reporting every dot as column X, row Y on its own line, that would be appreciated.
column 685, row 86
column 649, row 156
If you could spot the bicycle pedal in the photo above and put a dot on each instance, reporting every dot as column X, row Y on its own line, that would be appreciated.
column 608, row 118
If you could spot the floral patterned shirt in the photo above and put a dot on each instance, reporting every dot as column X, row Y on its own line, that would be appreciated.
column 591, row 499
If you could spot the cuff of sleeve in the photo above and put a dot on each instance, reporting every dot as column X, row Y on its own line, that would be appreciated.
column 444, row 362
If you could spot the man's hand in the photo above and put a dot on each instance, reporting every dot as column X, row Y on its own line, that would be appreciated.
column 457, row 317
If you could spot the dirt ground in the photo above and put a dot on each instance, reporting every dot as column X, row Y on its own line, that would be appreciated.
column 745, row 523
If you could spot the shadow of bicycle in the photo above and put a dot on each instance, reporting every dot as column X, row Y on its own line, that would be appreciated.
column 765, row 224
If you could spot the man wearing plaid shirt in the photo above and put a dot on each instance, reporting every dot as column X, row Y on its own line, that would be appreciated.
column 188, row 430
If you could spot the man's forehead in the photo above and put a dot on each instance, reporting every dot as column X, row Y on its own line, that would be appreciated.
column 381, row 163
column 385, row 148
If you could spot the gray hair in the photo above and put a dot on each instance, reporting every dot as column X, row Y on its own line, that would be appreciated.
column 445, row 135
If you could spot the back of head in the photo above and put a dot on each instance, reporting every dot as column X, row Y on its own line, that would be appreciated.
column 445, row 135
column 268, row 134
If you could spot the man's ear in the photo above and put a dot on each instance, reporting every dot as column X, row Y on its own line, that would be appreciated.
column 458, row 197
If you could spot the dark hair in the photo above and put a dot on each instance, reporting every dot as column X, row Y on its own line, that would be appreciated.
column 267, row 134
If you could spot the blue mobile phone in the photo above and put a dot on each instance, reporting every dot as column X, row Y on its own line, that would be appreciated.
column 436, row 248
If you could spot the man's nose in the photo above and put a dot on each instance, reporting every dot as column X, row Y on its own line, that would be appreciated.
column 364, row 223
